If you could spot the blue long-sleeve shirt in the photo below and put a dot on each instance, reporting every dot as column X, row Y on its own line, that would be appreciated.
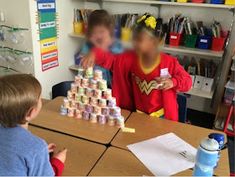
column 23, row 154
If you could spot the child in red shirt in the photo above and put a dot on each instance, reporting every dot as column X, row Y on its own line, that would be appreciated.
column 156, row 77
column 100, row 33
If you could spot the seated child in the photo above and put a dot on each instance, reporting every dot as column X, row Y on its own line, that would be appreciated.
column 22, row 153
column 156, row 77
column 100, row 33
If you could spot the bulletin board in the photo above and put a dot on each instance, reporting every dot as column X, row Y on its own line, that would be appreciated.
column 48, row 33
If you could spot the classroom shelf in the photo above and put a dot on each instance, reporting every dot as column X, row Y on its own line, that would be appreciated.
column 79, row 36
column 219, row 124
column 170, row 49
column 186, row 50
column 73, row 68
column 194, row 92
column 193, row 51
column 200, row 93
column 156, row 2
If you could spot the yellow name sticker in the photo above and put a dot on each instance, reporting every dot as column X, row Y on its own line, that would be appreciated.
column 128, row 130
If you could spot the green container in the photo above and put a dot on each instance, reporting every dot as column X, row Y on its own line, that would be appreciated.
column 190, row 41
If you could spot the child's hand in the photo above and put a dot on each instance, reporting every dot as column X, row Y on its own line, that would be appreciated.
column 88, row 60
column 51, row 147
column 61, row 155
column 166, row 83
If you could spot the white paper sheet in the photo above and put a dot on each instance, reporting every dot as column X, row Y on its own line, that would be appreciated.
column 161, row 155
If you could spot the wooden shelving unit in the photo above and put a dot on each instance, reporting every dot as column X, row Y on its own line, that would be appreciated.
column 193, row 51
column 157, row 2
column 82, row 37
column 170, row 49
column 175, row 50
column 224, row 108
column 200, row 93
column 73, row 68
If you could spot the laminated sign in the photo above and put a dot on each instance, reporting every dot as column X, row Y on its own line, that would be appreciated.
column 47, row 33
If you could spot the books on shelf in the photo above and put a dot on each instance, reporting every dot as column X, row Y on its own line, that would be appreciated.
column 159, row 2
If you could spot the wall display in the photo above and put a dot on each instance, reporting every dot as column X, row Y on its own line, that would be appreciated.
column 48, row 33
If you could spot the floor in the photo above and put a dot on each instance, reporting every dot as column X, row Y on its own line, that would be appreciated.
column 206, row 120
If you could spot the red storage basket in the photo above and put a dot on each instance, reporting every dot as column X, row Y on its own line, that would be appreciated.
column 175, row 39
column 85, row 26
column 218, row 43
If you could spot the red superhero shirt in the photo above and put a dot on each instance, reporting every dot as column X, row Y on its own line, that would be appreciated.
column 147, row 98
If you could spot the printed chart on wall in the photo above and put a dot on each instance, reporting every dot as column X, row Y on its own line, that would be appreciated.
column 48, row 33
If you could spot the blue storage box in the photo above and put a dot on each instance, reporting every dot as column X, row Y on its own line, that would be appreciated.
column 204, row 42
column 217, row 1
column 77, row 58
column 117, row 32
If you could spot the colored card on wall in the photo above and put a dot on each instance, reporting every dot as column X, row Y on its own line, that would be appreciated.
column 47, row 16
column 46, row 5
column 50, row 65
column 49, row 44
column 49, row 59
column 47, row 25
column 48, row 33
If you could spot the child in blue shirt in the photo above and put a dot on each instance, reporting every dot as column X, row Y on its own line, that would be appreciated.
column 100, row 33
column 22, row 153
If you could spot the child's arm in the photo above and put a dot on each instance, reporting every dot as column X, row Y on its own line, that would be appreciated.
column 104, row 58
column 170, row 105
column 182, row 81
column 108, row 60
column 57, row 162
column 57, row 166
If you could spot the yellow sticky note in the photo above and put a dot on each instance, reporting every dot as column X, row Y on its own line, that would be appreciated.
column 128, row 130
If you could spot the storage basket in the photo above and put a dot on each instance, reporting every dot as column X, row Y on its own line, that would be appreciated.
column 230, row 2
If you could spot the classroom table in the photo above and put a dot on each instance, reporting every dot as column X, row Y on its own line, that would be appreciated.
column 147, row 127
column 81, row 156
column 45, row 101
column 120, row 162
column 50, row 118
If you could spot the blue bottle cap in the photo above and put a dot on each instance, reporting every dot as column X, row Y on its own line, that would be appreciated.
column 218, row 137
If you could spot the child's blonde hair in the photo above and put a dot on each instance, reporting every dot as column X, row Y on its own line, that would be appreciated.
column 18, row 95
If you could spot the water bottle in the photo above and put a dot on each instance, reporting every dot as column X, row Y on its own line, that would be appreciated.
column 206, row 158
column 220, row 139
